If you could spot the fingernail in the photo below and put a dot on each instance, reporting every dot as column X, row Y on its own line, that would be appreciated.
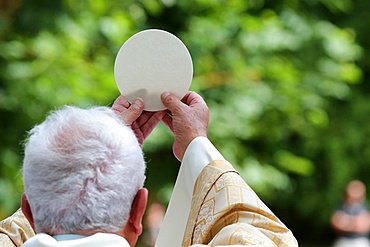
column 138, row 102
column 165, row 95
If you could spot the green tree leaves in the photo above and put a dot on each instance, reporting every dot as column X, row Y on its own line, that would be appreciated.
column 286, row 82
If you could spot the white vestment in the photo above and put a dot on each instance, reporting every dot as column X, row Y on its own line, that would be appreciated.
column 199, row 154
column 211, row 205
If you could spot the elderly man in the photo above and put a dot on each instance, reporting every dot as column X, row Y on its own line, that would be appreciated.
column 83, row 174
column 224, row 209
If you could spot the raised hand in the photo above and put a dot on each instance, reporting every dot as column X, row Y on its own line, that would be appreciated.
column 187, row 119
column 142, row 122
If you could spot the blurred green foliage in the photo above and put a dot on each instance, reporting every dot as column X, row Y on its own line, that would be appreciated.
column 286, row 82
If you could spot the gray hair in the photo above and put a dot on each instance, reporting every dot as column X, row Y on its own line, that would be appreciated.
column 81, row 171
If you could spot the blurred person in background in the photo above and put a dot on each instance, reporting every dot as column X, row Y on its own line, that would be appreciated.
column 351, row 221
column 152, row 223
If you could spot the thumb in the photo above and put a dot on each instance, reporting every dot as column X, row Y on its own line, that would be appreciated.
column 133, row 112
column 171, row 102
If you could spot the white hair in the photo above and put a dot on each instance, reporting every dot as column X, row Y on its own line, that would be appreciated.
column 81, row 171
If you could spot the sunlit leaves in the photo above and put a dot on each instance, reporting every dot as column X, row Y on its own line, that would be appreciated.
column 293, row 163
column 338, row 43
column 265, row 179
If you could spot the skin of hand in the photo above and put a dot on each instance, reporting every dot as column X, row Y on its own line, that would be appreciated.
column 142, row 122
column 187, row 119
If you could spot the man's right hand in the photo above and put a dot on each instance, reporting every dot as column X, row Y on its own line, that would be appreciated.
column 187, row 119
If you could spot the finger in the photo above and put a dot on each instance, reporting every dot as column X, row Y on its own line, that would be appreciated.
column 145, row 116
column 172, row 103
column 155, row 119
column 120, row 104
column 138, row 133
column 167, row 120
column 186, row 97
column 133, row 112
column 193, row 99
column 152, row 122
column 150, row 117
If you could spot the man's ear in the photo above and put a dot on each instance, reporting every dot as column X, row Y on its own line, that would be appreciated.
column 134, row 227
column 26, row 209
column 138, row 209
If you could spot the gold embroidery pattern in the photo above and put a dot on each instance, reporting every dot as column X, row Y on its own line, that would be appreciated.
column 15, row 230
column 238, row 237
column 226, row 211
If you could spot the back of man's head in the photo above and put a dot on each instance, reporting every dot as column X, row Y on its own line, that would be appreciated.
column 81, row 171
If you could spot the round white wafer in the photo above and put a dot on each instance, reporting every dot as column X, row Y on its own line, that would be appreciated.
column 152, row 62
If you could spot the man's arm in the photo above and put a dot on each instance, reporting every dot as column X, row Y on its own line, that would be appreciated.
column 224, row 209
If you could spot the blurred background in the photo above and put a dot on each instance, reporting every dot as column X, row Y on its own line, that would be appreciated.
column 287, row 82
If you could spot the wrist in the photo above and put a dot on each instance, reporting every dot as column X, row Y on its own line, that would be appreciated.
column 191, row 138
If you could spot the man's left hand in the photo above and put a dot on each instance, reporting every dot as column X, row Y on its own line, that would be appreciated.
column 142, row 122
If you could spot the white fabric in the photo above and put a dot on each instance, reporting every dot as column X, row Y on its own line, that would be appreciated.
column 198, row 155
column 63, row 237
column 96, row 240
column 352, row 242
